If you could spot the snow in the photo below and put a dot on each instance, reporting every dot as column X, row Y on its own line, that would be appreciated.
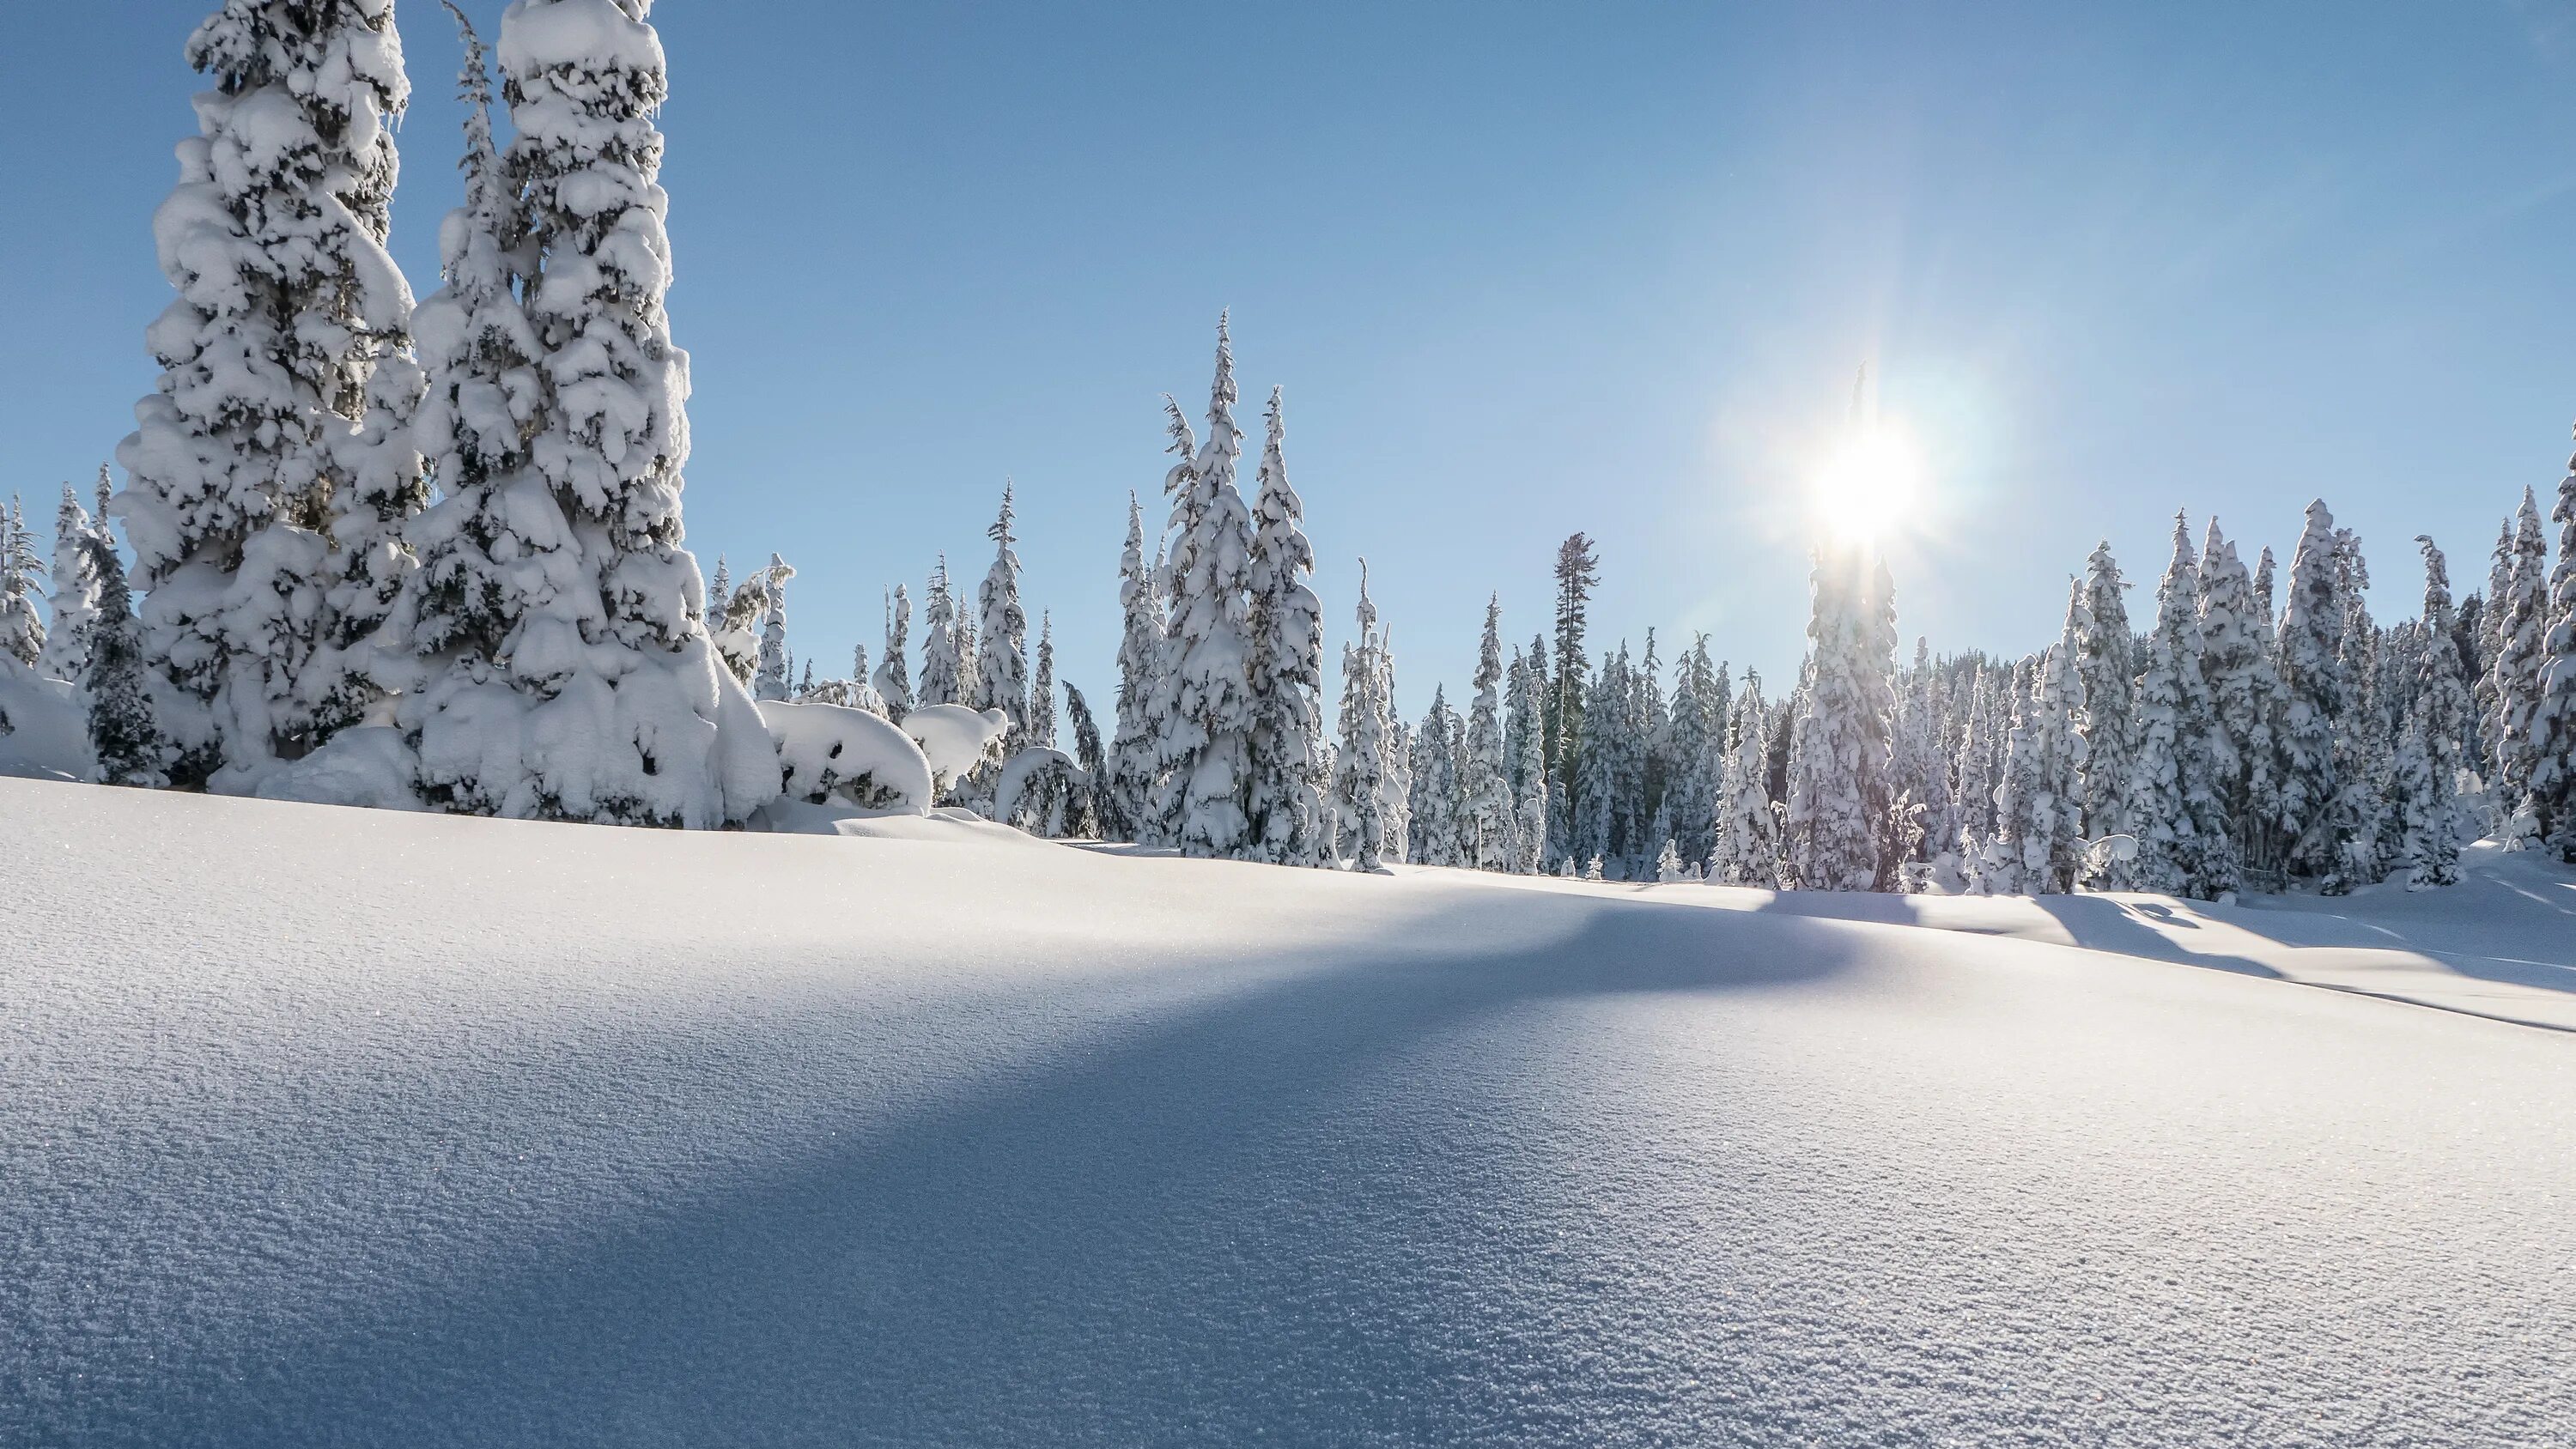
column 956, row 739
column 44, row 727
column 824, row 1148
column 828, row 749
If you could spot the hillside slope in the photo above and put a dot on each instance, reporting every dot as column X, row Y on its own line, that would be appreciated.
column 337, row 1127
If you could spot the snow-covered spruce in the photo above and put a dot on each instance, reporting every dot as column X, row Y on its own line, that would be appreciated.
column 1360, row 773
column 941, row 681
column 1206, row 743
column 1525, row 748
column 1839, row 765
column 2244, row 687
column 569, row 672
column 2109, row 719
column 769, row 679
column 1490, row 824
column 274, row 239
column 2184, row 844
column 72, row 606
column 2311, row 666
column 1578, row 570
column 2514, row 680
column 1135, row 772
column 1041, row 721
column 2437, row 725
column 123, row 734
column 22, row 629
column 1744, row 844
column 2553, row 710
column 1286, row 668
column 1001, row 659
column 893, row 677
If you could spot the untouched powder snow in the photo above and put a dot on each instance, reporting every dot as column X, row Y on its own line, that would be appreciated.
column 330, row 1126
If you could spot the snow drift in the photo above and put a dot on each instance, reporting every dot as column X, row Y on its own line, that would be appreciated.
column 337, row 1126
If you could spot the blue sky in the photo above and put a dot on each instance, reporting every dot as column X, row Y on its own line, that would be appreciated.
column 1523, row 270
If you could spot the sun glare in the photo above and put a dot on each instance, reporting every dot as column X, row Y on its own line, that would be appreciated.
column 1868, row 487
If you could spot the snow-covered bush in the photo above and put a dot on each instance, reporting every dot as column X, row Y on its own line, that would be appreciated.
column 826, row 750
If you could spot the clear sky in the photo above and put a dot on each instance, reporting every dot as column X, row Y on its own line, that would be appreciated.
column 1523, row 270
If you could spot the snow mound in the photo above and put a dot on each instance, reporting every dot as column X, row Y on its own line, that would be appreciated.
column 44, row 727
column 369, row 767
column 827, row 750
column 956, row 739
column 351, row 1127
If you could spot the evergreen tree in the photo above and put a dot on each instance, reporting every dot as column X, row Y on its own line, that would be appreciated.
column 1840, row 750
column 73, row 604
column 2184, row 847
column 1287, row 668
column 274, row 239
column 1977, row 775
column 1135, row 773
column 2365, row 736
column 1921, row 765
column 1596, row 781
column 122, row 733
column 1436, row 804
column 2553, row 708
column 1042, row 687
column 2237, row 667
column 572, row 673
column 1578, row 570
column 1002, row 648
column 2109, row 719
column 1744, row 847
column 770, row 682
column 2312, row 682
column 2430, row 756
column 2521, row 630
column 1206, row 750
column 1491, row 826
column 893, row 678
column 941, row 681
column 22, row 632
column 1528, row 731
column 2491, row 618
column 1360, row 776
column 1399, row 757
column 1083, row 822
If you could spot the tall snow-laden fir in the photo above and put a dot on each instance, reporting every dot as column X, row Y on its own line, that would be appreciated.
column 1286, row 629
column 1694, row 753
column 1360, row 767
column 1744, row 846
column 1578, row 569
column 1437, row 805
column 2437, row 727
column 2312, row 684
column 572, row 675
column 22, row 629
column 1526, row 736
column 1838, row 766
column 2104, row 650
column 72, row 607
column 1002, row 648
column 940, row 681
column 1042, row 687
column 1206, row 747
column 2237, row 668
column 1127, row 800
column 893, row 677
column 2521, row 633
column 123, row 734
column 2553, row 710
column 769, row 682
column 1975, row 771
column 2174, row 810
column 1490, row 825
column 275, row 241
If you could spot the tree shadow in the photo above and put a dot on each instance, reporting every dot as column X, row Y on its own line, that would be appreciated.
column 1205, row 1228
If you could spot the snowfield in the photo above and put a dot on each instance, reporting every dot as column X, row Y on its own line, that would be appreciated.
column 332, row 1126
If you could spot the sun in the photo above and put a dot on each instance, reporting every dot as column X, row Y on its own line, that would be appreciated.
column 1868, row 487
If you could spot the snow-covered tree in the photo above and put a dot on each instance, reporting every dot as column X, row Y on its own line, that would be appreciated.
column 1042, row 687
column 893, row 677
column 22, row 630
column 2174, row 810
column 1360, row 774
column 1127, row 798
column 1578, row 570
column 275, row 241
column 1744, row 847
column 2365, row 736
column 572, row 675
column 2038, row 840
column 1436, row 804
column 2553, row 709
column 1922, row 766
column 769, row 681
column 940, row 681
column 73, row 604
column 2244, row 687
column 122, row 732
column 2521, row 632
column 1976, row 772
column 1083, row 819
column 1838, row 768
column 1695, row 752
column 1490, row 825
column 1527, row 733
column 2104, row 646
column 2312, row 683
column 1002, row 648
column 1206, row 747
column 1286, row 629
column 2430, row 754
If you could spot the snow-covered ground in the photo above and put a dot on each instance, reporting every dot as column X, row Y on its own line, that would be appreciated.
column 342, row 1127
